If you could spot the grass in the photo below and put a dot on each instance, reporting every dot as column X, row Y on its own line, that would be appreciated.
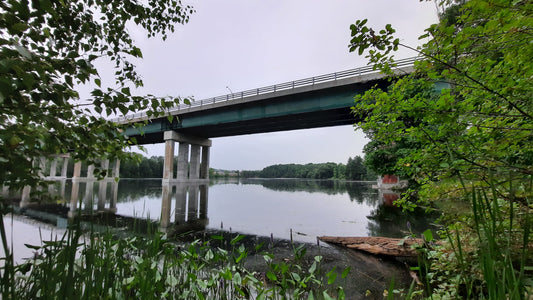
column 486, row 251
column 99, row 265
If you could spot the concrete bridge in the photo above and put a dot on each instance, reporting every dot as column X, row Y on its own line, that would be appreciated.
column 319, row 101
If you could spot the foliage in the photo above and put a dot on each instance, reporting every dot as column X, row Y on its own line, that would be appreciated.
column 144, row 168
column 354, row 170
column 463, row 116
column 153, row 267
column 48, row 50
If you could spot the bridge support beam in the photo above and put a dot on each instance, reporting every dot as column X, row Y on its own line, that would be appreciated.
column 195, row 167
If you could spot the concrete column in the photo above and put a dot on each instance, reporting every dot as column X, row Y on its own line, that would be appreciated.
column 90, row 172
column 166, row 205
column 25, row 199
column 116, row 169
column 114, row 197
column 194, row 167
column 42, row 166
column 204, row 169
column 65, row 167
column 183, row 161
column 52, row 189
column 53, row 167
column 168, row 167
column 102, row 194
column 62, row 187
column 185, row 141
column 74, row 193
column 105, row 166
column 89, row 194
column 77, row 170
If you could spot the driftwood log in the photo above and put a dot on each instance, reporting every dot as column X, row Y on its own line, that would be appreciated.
column 377, row 245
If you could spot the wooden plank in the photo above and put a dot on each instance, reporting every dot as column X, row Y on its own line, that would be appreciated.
column 377, row 245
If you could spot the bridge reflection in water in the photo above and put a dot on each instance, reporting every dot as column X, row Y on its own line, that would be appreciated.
column 183, row 204
column 190, row 211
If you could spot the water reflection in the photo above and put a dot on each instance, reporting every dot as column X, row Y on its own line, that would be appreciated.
column 190, row 208
column 309, row 208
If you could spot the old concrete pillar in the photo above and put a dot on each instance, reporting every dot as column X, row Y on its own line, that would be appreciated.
column 90, row 172
column 62, row 187
column 204, row 169
column 168, row 167
column 53, row 167
column 105, row 166
column 183, row 161
column 194, row 167
column 65, row 167
column 116, row 169
column 89, row 192
column 102, row 194
column 186, row 171
column 74, row 193
column 42, row 166
column 114, row 197
column 77, row 170
column 25, row 199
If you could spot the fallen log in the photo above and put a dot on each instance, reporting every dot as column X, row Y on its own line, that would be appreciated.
column 377, row 245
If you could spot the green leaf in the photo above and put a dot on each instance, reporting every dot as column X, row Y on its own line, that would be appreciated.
column 271, row 276
column 332, row 276
column 237, row 239
column 428, row 235
column 345, row 272
column 19, row 27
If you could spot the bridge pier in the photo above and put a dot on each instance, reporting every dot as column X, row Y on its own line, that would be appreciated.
column 194, row 168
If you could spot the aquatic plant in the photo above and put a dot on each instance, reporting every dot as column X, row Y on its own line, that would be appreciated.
column 100, row 265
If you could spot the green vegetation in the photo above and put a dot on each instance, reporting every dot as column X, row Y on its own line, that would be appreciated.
column 354, row 170
column 102, row 266
column 48, row 49
column 461, row 128
column 143, row 167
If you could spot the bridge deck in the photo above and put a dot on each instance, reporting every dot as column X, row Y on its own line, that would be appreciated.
column 308, row 103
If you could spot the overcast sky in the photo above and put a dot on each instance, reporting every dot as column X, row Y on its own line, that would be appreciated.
column 244, row 44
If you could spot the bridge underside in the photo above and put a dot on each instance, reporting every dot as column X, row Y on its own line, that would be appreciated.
column 311, row 109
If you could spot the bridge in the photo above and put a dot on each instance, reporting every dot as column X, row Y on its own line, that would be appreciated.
column 319, row 101
column 314, row 102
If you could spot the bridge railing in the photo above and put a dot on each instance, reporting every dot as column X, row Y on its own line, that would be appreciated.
column 275, row 88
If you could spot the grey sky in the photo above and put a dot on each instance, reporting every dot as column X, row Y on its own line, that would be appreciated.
column 245, row 44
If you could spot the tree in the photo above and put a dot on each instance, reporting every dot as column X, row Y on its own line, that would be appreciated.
column 483, row 123
column 356, row 169
column 467, row 113
column 48, row 49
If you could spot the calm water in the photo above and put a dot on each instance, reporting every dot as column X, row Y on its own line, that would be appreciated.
column 261, row 207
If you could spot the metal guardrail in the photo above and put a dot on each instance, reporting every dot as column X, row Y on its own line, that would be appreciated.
column 273, row 88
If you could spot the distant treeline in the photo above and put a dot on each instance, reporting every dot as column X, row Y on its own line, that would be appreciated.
column 147, row 168
column 354, row 170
